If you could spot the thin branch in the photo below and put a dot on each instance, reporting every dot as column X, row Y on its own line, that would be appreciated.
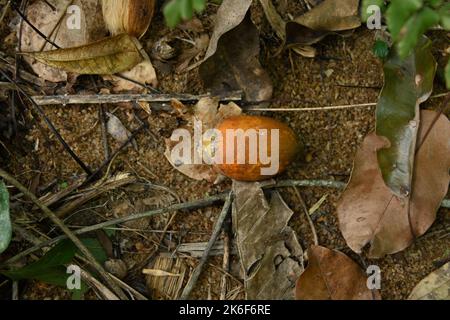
column 216, row 232
column 10, row 179
column 121, row 98
column 308, row 217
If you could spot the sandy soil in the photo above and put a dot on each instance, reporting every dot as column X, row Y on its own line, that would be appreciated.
column 345, row 72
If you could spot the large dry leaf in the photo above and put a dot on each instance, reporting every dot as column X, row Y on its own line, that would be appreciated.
column 209, row 114
column 327, row 17
column 408, row 83
column 436, row 286
column 236, row 66
column 106, row 56
column 331, row 275
column 53, row 24
column 271, row 256
column 369, row 212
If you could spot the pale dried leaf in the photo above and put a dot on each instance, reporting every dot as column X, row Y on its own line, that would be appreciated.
column 53, row 24
column 271, row 257
column 159, row 273
column 143, row 73
column 436, row 286
column 207, row 112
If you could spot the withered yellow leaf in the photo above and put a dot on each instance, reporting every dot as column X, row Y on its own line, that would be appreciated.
column 107, row 56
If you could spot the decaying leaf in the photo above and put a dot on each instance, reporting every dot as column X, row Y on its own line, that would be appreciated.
column 331, row 275
column 236, row 66
column 229, row 15
column 328, row 17
column 106, row 56
column 232, row 59
column 5, row 221
column 271, row 256
column 275, row 20
column 142, row 73
column 408, row 83
column 58, row 25
column 436, row 286
column 208, row 113
column 369, row 212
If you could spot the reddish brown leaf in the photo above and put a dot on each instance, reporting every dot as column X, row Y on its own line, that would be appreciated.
column 369, row 212
column 331, row 275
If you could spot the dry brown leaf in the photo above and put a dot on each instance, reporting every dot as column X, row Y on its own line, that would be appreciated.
column 236, row 66
column 331, row 275
column 435, row 286
column 209, row 114
column 370, row 213
column 327, row 17
column 53, row 23
column 230, row 14
column 106, row 56
column 271, row 256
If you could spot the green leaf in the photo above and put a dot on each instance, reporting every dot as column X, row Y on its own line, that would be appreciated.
column 444, row 13
column 5, row 220
column 399, row 12
column 49, row 265
column 199, row 5
column 408, row 82
column 447, row 75
column 381, row 49
column 96, row 249
column 366, row 4
column 186, row 10
column 414, row 28
column 172, row 14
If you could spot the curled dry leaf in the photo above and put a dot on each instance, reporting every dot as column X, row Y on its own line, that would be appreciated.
column 408, row 83
column 208, row 114
column 436, row 286
column 328, row 17
column 106, row 56
column 331, row 275
column 55, row 25
column 271, row 256
column 369, row 212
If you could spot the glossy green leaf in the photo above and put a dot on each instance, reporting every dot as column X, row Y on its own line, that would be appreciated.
column 5, row 220
column 408, row 83
column 177, row 10
column 414, row 28
column 399, row 12
column 381, row 49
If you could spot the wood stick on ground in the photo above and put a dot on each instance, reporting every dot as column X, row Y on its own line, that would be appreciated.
column 308, row 217
column 216, row 232
column 121, row 98
column 193, row 205
column 67, row 232
column 226, row 258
